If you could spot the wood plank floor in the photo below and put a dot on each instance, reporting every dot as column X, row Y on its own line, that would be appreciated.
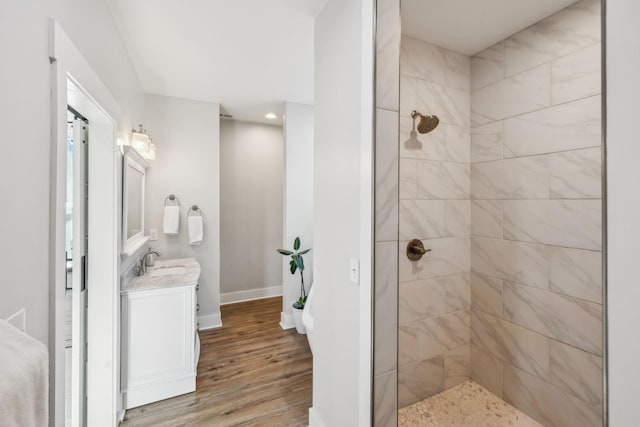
column 251, row 373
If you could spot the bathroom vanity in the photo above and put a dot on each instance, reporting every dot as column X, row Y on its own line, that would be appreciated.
column 160, row 343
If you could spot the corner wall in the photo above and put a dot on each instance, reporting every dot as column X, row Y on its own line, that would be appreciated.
column 536, row 212
column 187, row 137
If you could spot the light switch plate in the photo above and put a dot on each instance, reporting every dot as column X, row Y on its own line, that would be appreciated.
column 354, row 271
column 153, row 234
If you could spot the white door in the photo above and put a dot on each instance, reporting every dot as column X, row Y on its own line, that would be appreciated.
column 79, row 275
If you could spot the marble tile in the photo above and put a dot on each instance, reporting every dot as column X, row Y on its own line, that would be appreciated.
column 458, row 146
column 486, row 294
column 523, row 178
column 511, row 343
column 576, row 273
column 519, row 94
column 457, row 366
column 388, row 54
column 422, row 219
column 443, row 180
column 569, row 126
column 577, row 75
column 386, row 308
column 386, row 176
column 414, row 145
column 565, row 32
column 576, row 372
column 486, row 218
column 422, row 60
column 420, row 380
column 546, row 403
column 570, row 320
column 408, row 343
column 408, row 179
column 385, row 402
column 486, row 142
column 452, row 106
column 514, row 261
column 407, row 270
column 486, row 66
column 457, row 218
column 423, row 299
column 432, row 219
column 575, row 174
column 486, row 370
column 448, row 256
column 457, row 70
column 441, row 334
column 568, row 223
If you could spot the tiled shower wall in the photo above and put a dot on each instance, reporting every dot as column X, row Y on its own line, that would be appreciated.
column 536, row 318
column 435, row 207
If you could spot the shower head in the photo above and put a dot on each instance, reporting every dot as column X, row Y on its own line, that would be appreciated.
column 426, row 124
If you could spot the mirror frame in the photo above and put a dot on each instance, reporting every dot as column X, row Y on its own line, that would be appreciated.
column 132, row 158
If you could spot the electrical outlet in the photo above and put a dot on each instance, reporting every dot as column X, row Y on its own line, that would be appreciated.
column 354, row 271
column 153, row 234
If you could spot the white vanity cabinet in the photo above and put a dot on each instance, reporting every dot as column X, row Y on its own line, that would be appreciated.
column 160, row 344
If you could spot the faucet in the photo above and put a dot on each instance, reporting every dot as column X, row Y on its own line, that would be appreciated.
column 143, row 260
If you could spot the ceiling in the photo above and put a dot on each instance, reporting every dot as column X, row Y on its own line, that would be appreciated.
column 249, row 55
column 252, row 55
column 469, row 26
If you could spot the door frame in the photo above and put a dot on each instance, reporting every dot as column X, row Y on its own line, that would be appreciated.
column 73, row 82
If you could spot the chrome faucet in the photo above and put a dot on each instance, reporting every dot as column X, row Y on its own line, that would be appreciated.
column 143, row 260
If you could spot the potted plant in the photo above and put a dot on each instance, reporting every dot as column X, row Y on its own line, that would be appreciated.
column 297, row 263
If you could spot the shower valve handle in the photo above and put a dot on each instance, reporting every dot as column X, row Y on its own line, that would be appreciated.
column 415, row 250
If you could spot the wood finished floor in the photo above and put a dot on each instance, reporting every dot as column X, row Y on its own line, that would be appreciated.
column 251, row 373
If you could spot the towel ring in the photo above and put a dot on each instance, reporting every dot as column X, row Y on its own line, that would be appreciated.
column 195, row 211
column 171, row 200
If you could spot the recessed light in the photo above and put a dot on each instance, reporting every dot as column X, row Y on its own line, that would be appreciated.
column 271, row 116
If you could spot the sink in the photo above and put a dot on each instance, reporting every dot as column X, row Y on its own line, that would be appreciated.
column 168, row 271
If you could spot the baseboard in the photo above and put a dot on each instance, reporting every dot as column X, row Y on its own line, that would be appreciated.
column 120, row 416
column 159, row 390
column 210, row 321
column 252, row 294
column 286, row 321
column 314, row 419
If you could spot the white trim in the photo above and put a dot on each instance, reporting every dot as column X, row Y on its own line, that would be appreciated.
column 155, row 392
column 210, row 321
column 250, row 295
column 314, row 419
column 75, row 83
column 286, row 321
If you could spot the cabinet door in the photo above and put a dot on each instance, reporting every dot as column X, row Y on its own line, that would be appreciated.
column 160, row 339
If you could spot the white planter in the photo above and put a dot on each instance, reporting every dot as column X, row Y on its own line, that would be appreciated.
column 297, row 320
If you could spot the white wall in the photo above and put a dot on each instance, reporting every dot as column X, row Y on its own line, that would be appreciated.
column 623, row 206
column 187, row 138
column 25, row 116
column 251, row 181
column 342, row 188
column 298, row 199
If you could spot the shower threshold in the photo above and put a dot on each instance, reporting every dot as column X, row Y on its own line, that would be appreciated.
column 465, row 405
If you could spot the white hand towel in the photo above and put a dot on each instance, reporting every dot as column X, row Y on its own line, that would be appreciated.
column 24, row 380
column 171, row 221
column 196, row 230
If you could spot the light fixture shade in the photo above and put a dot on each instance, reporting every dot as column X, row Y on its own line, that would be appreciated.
column 151, row 152
column 141, row 141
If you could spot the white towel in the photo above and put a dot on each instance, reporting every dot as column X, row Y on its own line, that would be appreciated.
column 171, row 221
column 24, row 400
column 195, row 229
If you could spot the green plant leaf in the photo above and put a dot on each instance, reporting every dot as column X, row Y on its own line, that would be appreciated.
column 296, row 244
column 285, row 252
column 304, row 252
column 293, row 267
column 299, row 262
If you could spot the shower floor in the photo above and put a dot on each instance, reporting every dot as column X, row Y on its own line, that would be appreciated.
column 465, row 405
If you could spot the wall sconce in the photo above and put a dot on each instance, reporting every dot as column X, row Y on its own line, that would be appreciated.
column 141, row 141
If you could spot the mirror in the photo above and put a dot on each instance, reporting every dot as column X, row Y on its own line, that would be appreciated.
column 133, row 186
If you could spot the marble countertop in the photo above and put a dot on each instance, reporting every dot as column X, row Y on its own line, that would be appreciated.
column 189, row 277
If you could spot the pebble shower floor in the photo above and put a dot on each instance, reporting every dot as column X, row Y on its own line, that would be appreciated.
column 465, row 405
